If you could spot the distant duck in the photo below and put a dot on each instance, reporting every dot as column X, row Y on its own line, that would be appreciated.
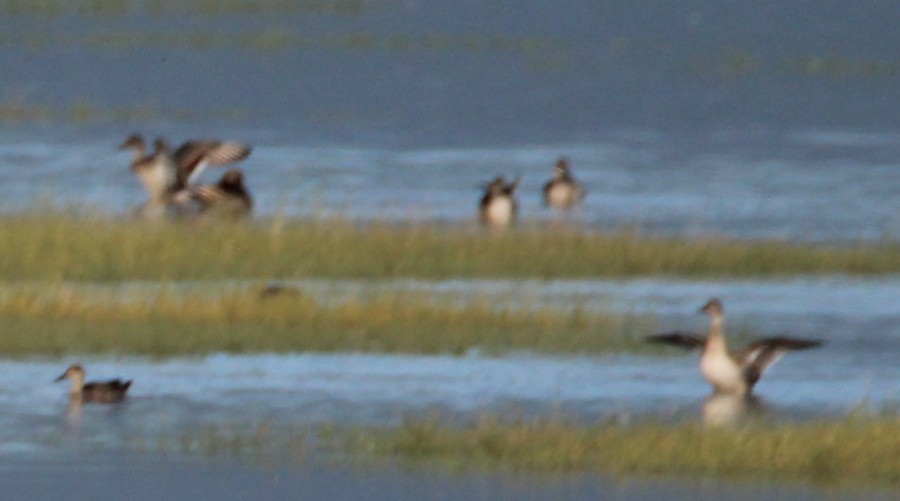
column 732, row 372
column 227, row 198
column 562, row 192
column 498, row 207
column 165, row 174
column 105, row 392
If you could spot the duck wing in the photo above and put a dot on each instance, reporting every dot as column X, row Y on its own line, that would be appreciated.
column 682, row 339
column 510, row 188
column 193, row 157
column 105, row 392
column 112, row 384
column 759, row 355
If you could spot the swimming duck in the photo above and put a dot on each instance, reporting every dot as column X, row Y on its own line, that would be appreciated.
column 562, row 192
column 732, row 372
column 498, row 206
column 103, row 392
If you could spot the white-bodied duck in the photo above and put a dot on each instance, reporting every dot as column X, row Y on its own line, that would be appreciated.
column 732, row 372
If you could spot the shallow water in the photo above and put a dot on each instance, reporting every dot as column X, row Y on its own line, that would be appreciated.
column 141, row 477
column 174, row 395
column 41, row 435
column 859, row 363
column 629, row 186
column 858, row 369
column 747, row 119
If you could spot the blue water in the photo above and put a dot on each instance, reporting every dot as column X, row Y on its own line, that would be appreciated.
column 749, row 119
column 426, row 73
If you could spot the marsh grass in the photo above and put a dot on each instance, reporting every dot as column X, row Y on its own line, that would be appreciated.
column 857, row 450
column 854, row 450
column 38, row 246
column 65, row 320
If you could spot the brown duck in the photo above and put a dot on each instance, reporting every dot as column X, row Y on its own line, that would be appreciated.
column 100, row 392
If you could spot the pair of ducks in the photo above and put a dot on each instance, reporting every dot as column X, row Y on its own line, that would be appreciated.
column 498, row 206
column 169, row 178
column 732, row 373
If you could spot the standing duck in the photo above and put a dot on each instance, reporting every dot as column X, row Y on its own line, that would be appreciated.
column 732, row 372
column 562, row 192
column 498, row 206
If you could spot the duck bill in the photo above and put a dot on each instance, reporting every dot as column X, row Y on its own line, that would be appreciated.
column 60, row 378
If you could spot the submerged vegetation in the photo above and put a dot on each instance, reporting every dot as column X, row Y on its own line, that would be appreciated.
column 855, row 450
column 69, row 320
column 83, row 248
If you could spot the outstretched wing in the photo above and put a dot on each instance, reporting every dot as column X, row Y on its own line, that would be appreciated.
column 193, row 157
column 688, row 340
column 759, row 355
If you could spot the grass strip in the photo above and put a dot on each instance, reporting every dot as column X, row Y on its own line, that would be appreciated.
column 54, row 247
column 65, row 320
column 854, row 450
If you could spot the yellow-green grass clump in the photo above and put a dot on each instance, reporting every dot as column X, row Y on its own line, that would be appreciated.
column 853, row 450
column 41, row 247
column 65, row 320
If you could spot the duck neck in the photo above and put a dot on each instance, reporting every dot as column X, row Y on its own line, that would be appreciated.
column 716, row 340
column 139, row 152
column 77, row 385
